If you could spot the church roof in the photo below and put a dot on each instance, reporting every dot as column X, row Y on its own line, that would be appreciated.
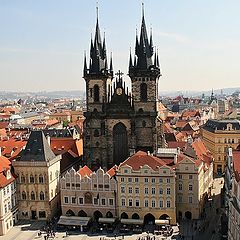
column 37, row 149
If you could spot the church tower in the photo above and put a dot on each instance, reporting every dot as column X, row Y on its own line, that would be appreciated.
column 144, row 72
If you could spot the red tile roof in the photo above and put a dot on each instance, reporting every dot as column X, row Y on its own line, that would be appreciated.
column 4, row 166
column 112, row 171
column 85, row 171
column 140, row 159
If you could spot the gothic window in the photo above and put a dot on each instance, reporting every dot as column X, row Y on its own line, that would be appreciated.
column 40, row 178
column 22, row 179
column 143, row 91
column 41, row 196
column 96, row 93
column 144, row 123
column 32, row 196
column 88, row 198
column 24, row 196
column 103, row 128
column 31, row 178
column 96, row 133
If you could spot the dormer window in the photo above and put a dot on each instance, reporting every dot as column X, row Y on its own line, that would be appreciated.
column 8, row 174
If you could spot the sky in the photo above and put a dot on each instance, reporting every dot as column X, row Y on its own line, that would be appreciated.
column 42, row 43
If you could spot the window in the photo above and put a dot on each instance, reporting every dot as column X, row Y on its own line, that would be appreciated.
column 136, row 180
column 129, row 179
column 41, row 196
column 146, row 180
column 123, row 202
column 130, row 202
column 22, row 179
column 24, row 196
column 144, row 123
column 102, row 128
column 5, row 208
column 73, row 200
column 190, row 177
column 122, row 189
column 122, row 179
column 9, row 206
column 31, row 178
column 95, row 201
column 153, row 180
column 168, row 180
column 160, row 191
column 180, row 187
column 180, row 198
column 96, row 93
column 125, row 171
column 65, row 199
column 190, row 199
column 168, row 203
column 137, row 190
column 153, row 203
column 146, row 190
column 110, row 201
column 153, row 191
column 143, row 92
column 145, row 203
column 168, row 191
column 161, row 203
column 32, row 195
column 190, row 187
column 103, row 201
column 180, row 176
column 130, row 190
column 96, row 133
column 137, row 203
column 160, row 180
column 40, row 179
column 4, row 191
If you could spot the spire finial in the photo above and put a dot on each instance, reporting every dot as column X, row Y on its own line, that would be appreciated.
column 143, row 9
column 97, row 9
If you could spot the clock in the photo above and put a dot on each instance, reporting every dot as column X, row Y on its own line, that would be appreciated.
column 119, row 91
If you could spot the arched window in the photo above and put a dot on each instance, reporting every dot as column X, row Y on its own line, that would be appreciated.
column 42, row 196
column 144, row 123
column 143, row 91
column 40, row 178
column 24, row 196
column 96, row 93
column 22, row 178
column 31, row 178
column 32, row 195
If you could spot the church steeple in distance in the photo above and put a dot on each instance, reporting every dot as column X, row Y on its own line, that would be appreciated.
column 144, row 51
column 98, row 55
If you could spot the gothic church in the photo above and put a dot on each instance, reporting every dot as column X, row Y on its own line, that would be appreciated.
column 119, row 122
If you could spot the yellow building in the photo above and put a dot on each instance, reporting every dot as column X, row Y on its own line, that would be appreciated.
column 38, row 171
column 218, row 136
column 146, row 189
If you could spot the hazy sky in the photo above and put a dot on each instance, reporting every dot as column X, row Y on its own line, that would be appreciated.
column 42, row 42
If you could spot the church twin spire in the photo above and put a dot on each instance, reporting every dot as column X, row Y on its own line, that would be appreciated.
column 98, row 56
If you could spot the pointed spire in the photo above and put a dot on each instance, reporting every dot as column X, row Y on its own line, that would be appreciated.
column 158, row 65
column 85, row 64
column 97, row 33
column 155, row 58
column 106, row 65
column 130, row 59
column 111, row 64
column 104, row 52
column 151, row 42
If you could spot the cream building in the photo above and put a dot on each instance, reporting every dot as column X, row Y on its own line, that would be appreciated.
column 38, row 171
column 146, row 189
column 218, row 136
column 8, row 197
column 89, row 194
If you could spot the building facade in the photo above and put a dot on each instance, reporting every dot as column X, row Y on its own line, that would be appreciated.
column 8, row 197
column 146, row 189
column 89, row 194
column 38, row 171
column 218, row 136
column 119, row 121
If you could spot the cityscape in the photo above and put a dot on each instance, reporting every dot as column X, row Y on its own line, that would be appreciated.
column 118, row 157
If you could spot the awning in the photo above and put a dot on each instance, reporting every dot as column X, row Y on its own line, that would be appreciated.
column 132, row 221
column 161, row 222
column 106, row 220
column 73, row 221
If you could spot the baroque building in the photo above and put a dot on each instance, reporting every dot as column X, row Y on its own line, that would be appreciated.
column 119, row 121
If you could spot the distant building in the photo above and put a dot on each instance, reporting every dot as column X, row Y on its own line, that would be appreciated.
column 218, row 136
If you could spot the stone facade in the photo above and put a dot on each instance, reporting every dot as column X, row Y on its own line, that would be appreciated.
column 119, row 122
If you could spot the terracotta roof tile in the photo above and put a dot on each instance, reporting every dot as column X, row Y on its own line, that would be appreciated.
column 85, row 171
column 112, row 171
